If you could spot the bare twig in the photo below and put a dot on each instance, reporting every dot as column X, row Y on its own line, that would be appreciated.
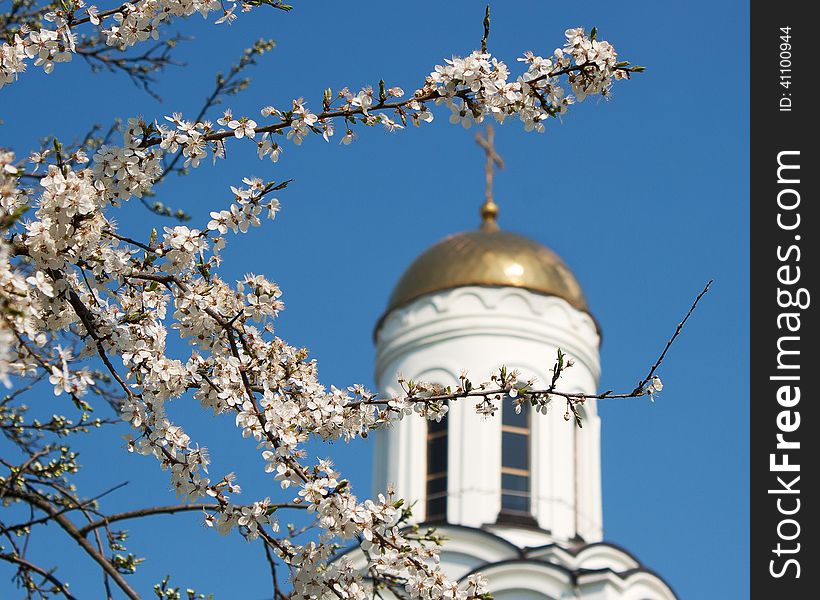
column 486, row 30
column 69, row 527
column 678, row 329
column 25, row 564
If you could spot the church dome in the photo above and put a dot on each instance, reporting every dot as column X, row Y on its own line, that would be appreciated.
column 488, row 257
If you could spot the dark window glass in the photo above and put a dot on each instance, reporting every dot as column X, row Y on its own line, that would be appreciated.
column 515, row 458
column 437, row 455
column 437, row 485
column 515, row 483
column 437, row 426
column 511, row 503
column 509, row 416
column 436, row 504
column 515, row 450
column 437, row 508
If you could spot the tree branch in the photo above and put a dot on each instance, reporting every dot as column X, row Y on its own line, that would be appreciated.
column 23, row 563
column 164, row 510
column 69, row 527
column 678, row 329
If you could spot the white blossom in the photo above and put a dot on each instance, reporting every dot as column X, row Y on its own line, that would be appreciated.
column 69, row 274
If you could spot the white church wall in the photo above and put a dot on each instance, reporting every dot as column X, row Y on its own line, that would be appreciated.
column 528, row 580
column 520, row 594
column 478, row 328
column 598, row 571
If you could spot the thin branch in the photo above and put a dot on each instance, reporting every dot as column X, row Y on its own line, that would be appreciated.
column 71, row 529
column 23, row 563
column 77, row 506
column 122, row 8
column 678, row 329
column 277, row 592
column 349, row 112
column 164, row 510
column 550, row 391
column 19, row 471
column 486, row 30
column 225, row 85
column 140, row 68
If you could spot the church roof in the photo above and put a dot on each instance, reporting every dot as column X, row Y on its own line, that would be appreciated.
column 488, row 257
column 585, row 569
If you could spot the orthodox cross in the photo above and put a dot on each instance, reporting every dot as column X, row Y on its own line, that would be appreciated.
column 489, row 210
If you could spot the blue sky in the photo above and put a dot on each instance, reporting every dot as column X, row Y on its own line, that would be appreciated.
column 644, row 196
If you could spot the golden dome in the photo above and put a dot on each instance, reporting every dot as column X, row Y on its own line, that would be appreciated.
column 488, row 257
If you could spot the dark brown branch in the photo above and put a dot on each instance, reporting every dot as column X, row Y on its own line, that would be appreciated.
column 277, row 591
column 71, row 529
column 163, row 510
column 18, row 472
column 77, row 506
column 23, row 563
column 225, row 85
column 486, row 30
column 140, row 68
column 550, row 391
column 87, row 320
column 120, row 9
column 678, row 329
column 349, row 112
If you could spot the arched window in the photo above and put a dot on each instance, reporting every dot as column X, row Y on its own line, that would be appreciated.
column 436, row 505
column 515, row 459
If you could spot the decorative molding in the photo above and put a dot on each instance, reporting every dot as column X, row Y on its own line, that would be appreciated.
column 479, row 328
column 601, row 570
column 490, row 298
column 512, row 313
column 543, row 557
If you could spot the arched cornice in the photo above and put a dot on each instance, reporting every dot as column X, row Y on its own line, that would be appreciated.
column 590, row 559
column 481, row 539
column 550, row 569
column 531, row 575
column 478, row 311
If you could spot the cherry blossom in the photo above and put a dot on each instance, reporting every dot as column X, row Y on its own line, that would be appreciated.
column 67, row 274
column 130, row 24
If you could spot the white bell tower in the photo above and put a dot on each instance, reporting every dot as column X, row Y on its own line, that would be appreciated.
column 513, row 472
column 517, row 495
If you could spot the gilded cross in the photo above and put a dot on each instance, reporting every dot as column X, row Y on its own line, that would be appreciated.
column 489, row 211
